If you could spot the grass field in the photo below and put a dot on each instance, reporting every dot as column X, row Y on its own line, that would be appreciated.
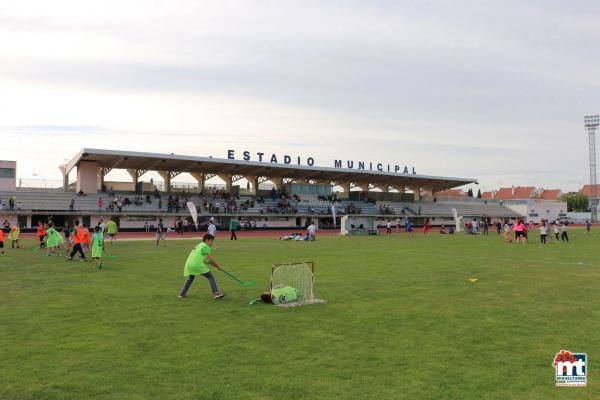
column 402, row 321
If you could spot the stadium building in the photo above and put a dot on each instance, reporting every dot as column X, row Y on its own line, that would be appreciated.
column 261, row 194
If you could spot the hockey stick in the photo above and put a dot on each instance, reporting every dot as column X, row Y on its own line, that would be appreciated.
column 251, row 283
column 254, row 301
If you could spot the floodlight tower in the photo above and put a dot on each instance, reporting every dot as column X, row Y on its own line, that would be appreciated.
column 591, row 122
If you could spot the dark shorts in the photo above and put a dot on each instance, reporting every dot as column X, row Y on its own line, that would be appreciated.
column 1, row 245
column 112, row 235
column 41, row 238
column 520, row 234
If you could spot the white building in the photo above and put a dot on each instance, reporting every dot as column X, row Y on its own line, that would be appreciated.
column 536, row 209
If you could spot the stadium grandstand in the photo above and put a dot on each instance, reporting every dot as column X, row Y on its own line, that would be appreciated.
column 261, row 195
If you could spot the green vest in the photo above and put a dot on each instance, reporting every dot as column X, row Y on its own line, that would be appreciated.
column 286, row 294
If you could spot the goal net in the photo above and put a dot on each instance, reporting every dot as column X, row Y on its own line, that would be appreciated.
column 292, row 284
column 358, row 225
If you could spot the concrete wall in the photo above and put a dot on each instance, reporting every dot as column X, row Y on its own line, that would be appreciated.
column 8, row 184
column 87, row 177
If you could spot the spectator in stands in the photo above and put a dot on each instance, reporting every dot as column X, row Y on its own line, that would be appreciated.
column 1, row 205
column 119, row 204
column 111, row 192
column 100, row 204
column 156, row 193
column 80, row 193
column 148, row 200
column 160, row 204
column 72, row 204
column 6, row 224
column 11, row 203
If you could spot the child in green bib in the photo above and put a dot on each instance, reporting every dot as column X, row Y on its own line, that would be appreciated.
column 197, row 264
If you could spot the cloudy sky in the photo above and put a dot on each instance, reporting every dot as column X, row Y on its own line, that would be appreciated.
column 494, row 90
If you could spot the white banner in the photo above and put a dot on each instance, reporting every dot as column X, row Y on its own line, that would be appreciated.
column 333, row 213
column 193, row 211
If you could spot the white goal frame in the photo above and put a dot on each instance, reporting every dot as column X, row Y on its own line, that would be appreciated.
column 306, row 268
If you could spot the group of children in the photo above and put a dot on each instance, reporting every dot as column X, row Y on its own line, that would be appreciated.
column 521, row 231
column 77, row 239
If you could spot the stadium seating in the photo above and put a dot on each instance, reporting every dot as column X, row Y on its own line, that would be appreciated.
column 55, row 201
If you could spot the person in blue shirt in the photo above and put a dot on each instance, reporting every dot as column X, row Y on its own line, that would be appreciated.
column 408, row 227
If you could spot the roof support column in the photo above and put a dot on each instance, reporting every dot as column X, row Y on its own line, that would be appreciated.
column 201, row 179
column 166, row 175
column 253, row 180
column 228, row 181
column 134, row 175
column 63, row 171
column 87, row 177
column 417, row 191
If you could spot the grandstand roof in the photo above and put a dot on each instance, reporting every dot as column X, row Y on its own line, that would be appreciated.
column 114, row 159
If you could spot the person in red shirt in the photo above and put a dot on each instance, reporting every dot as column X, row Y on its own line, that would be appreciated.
column 2, row 241
column 87, row 239
column 426, row 227
column 78, row 239
column 41, row 233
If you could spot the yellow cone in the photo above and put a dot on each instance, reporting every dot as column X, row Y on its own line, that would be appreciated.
column 472, row 280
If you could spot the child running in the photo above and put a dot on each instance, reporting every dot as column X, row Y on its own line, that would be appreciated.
column 426, row 226
column 87, row 239
column 97, row 244
column 564, row 232
column 13, row 236
column 53, row 240
column 555, row 230
column 196, row 264
column 544, row 232
column 77, row 243
column 111, row 230
column 160, row 232
column 507, row 232
column 2, row 252
column 41, row 233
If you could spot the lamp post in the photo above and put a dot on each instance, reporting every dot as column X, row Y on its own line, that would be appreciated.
column 591, row 122
column 44, row 179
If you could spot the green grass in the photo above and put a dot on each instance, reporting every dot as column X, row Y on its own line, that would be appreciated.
column 401, row 321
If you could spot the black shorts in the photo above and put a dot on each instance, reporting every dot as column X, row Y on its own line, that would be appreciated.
column 520, row 233
column 1, row 245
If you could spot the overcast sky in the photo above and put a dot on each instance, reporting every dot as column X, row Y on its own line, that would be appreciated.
column 493, row 90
